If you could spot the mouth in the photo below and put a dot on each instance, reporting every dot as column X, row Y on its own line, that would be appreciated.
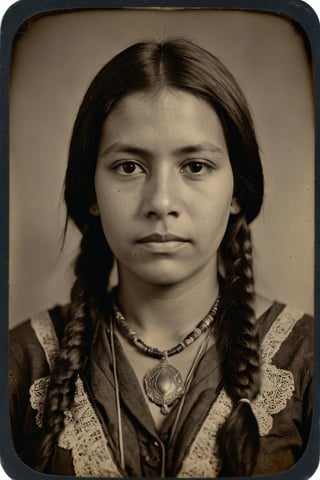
column 165, row 244
column 162, row 238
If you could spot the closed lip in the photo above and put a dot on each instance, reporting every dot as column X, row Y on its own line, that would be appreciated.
column 162, row 238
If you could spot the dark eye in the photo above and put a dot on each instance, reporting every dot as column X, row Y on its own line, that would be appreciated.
column 128, row 168
column 196, row 168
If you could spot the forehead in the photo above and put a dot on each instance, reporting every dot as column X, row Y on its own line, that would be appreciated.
column 175, row 114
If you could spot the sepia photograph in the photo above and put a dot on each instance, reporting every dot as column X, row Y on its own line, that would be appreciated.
column 162, row 231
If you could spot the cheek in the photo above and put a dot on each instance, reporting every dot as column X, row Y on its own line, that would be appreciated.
column 214, row 219
column 213, row 213
column 110, row 199
column 112, row 214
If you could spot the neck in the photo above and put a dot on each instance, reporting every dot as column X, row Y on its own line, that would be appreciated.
column 163, row 315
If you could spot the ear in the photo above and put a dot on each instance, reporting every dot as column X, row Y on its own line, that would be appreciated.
column 234, row 206
column 94, row 209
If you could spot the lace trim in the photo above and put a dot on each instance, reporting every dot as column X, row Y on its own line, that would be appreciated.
column 37, row 394
column 46, row 335
column 83, row 433
column 277, row 388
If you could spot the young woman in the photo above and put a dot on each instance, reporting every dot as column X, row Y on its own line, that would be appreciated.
column 180, row 370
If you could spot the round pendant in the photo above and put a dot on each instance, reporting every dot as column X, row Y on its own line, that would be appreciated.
column 163, row 385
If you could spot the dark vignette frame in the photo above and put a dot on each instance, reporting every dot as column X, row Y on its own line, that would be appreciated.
column 294, row 10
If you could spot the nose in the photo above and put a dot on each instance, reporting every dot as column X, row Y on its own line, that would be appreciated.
column 161, row 197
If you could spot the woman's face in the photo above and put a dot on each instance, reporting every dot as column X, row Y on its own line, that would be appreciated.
column 164, row 186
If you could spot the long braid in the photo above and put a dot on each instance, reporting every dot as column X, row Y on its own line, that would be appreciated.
column 92, row 269
column 238, row 344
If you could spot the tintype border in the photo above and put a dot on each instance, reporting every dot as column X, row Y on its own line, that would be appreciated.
column 15, row 16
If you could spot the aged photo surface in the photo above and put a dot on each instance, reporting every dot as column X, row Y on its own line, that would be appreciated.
column 161, row 293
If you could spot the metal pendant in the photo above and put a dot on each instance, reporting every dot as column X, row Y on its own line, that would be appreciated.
column 163, row 385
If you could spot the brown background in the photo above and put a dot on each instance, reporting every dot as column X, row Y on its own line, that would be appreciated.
column 55, row 59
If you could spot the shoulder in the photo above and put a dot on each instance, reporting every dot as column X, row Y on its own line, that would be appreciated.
column 287, row 339
column 284, row 320
column 26, row 352
column 24, row 332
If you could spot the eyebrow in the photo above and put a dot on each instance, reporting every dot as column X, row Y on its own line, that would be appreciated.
column 208, row 147
column 123, row 147
column 118, row 147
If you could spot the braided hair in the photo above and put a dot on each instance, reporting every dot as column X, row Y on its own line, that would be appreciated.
column 92, row 269
column 238, row 346
column 150, row 67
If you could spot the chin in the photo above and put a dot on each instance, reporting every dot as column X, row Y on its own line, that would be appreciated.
column 164, row 277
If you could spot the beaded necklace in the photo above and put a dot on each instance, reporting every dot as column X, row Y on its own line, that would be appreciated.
column 163, row 384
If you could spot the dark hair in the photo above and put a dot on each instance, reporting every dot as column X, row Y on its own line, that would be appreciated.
column 151, row 66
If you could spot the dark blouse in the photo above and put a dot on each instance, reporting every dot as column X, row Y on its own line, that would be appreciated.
column 282, row 441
